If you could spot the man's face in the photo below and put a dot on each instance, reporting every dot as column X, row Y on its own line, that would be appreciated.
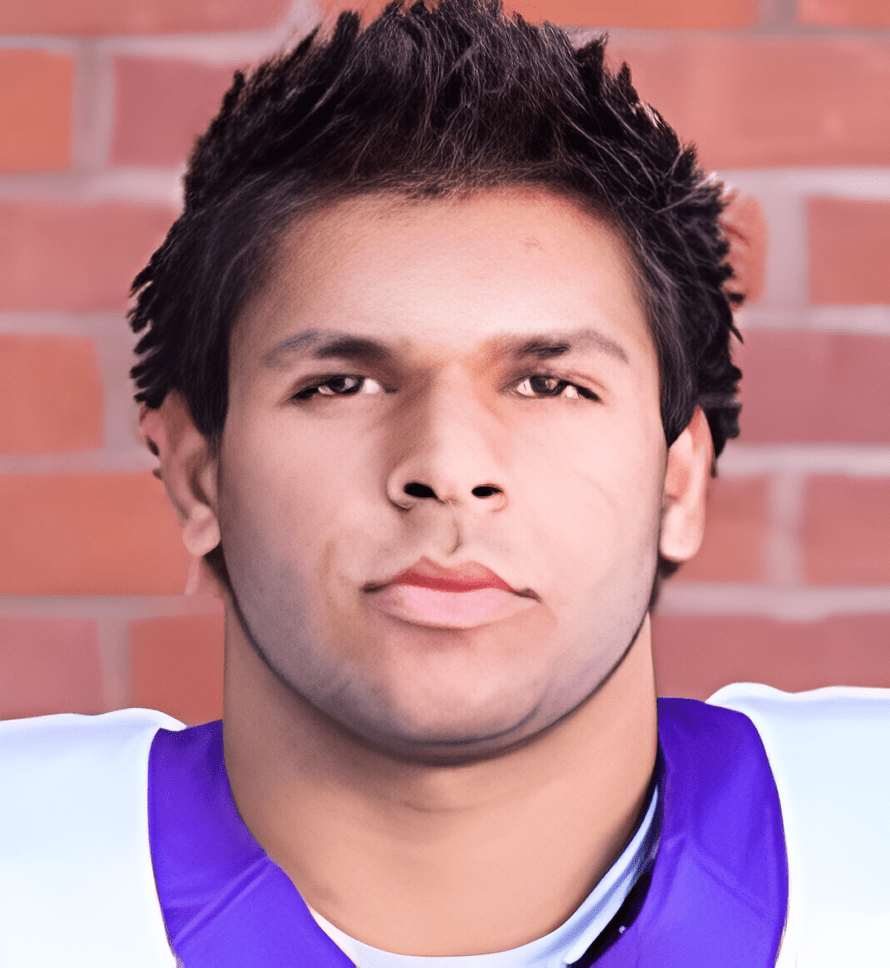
column 494, row 399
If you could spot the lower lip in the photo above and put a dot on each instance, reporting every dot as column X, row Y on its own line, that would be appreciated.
column 448, row 610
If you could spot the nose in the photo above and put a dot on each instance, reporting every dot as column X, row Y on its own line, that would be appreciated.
column 449, row 452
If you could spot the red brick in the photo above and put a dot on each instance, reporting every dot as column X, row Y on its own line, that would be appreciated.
column 50, row 394
column 815, row 387
column 747, row 231
column 640, row 13
column 49, row 665
column 768, row 101
column 602, row 13
column 844, row 13
column 734, row 548
column 35, row 110
column 74, row 257
column 696, row 655
column 329, row 10
column 161, row 106
column 846, row 531
column 849, row 251
column 98, row 17
column 88, row 534
column 176, row 665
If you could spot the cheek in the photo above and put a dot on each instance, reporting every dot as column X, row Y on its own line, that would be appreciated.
column 288, row 503
column 292, row 473
column 598, row 515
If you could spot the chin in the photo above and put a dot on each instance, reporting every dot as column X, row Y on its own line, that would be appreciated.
column 439, row 729
column 448, row 748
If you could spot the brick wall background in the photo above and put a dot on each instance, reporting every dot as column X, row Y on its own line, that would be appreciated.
column 99, row 100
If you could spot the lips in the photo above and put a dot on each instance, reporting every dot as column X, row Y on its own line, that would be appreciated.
column 467, row 578
column 457, row 598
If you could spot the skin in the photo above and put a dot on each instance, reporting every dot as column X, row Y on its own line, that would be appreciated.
column 412, row 778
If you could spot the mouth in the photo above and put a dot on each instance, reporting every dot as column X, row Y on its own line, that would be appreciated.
column 435, row 596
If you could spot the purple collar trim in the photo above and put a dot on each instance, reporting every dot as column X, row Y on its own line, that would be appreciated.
column 717, row 896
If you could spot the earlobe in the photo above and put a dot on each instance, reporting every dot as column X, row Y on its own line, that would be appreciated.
column 688, row 472
column 188, row 469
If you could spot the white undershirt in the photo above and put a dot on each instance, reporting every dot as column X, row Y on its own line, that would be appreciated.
column 556, row 950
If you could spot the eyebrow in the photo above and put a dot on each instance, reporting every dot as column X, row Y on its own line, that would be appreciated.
column 548, row 345
column 323, row 344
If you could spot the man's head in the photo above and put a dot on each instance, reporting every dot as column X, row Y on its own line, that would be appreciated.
column 430, row 104
column 444, row 294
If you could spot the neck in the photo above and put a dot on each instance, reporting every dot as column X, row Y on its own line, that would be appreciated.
column 396, row 853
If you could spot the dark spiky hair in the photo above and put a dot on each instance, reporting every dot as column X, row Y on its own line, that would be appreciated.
column 427, row 102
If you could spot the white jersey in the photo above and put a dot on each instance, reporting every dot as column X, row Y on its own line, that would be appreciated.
column 829, row 750
column 76, row 883
column 77, row 888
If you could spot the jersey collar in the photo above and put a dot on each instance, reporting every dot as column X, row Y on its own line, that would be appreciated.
column 715, row 894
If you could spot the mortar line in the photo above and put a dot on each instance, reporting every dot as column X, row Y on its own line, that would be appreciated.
column 120, row 608
column 114, row 659
column 784, row 553
column 786, row 604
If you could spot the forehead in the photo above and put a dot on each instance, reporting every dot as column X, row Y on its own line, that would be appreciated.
column 473, row 275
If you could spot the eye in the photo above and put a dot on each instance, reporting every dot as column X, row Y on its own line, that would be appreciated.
column 546, row 385
column 341, row 385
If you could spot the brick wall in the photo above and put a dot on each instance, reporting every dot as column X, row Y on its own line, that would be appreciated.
column 790, row 101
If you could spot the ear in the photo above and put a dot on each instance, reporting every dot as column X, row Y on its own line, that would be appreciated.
column 689, row 463
column 188, row 470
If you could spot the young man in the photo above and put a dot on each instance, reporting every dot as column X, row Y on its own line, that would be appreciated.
column 436, row 362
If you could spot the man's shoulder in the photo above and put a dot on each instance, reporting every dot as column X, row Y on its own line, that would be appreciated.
column 825, row 746
column 71, row 778
column 74, row 849
column 829, row 750
column 66, row 733
column 72, row 750
column 86, row 775
column 832, row 704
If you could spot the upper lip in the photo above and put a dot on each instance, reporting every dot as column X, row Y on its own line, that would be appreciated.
column 464, row 578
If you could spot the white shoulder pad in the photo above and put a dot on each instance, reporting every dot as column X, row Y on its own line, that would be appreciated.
column 76, row 882
column 829, row 750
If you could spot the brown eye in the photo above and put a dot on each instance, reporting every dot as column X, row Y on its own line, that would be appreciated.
column 341, row 385
column 543, row 385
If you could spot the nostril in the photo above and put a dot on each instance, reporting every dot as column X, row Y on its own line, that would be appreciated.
column 419, row 490
column 485, row 490
column 416, row 489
